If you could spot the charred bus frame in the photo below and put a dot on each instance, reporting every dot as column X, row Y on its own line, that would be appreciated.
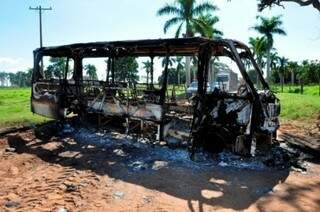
column 233, row 120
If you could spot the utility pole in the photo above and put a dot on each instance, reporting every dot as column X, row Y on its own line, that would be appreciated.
column 40, row 9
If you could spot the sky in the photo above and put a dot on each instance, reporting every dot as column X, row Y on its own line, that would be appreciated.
column 73, row 21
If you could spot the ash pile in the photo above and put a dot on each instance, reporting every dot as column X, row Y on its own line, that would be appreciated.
column 137, row 153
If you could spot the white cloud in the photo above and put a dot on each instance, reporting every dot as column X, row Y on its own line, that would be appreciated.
column 10, row 64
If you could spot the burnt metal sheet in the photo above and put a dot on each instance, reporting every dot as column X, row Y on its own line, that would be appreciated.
column 147, row 111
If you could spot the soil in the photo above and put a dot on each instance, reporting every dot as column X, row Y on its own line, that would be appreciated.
column 78, row 170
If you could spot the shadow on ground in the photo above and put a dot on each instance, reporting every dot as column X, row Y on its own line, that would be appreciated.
column 204, row 185
column 296, row 196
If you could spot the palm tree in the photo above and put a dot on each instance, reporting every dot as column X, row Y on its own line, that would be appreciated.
column 3, row 78
column 57, row 67
column 282, row 68
column 180, row 66
column 147, row 68
column 209, row 30
column 171, row 61
column 259, row 48
column 186, row 16
column 274, row 60
column 269, row 27
column 293, row 67
column 91, row 71
column 13, row 79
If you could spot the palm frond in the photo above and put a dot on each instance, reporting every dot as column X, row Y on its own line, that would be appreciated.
column 178, row 32
column 279, row 31
column 258, row 28
column 217, row 33
column 200, row 27
column 213, row 20
column 258, row 45
column 169, row 10
column 171, row 22
column 208, row 21
column 204, row 7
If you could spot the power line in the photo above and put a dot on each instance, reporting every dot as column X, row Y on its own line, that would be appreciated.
column 40, row 9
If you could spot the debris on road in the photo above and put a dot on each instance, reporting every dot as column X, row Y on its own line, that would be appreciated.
column 71, row 187
column 118, row 195
column 12, row 204
column 10, row 149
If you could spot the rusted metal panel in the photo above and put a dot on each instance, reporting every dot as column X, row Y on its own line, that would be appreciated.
column 147, row 111
column 109, row 109
column 47, row 108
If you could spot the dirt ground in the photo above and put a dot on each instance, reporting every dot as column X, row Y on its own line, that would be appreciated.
column 44, row 173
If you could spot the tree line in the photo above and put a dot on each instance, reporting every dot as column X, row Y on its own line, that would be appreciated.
column 18, row 79
column 126, row 69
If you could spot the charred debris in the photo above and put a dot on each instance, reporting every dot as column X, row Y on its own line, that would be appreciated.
column 241, row 120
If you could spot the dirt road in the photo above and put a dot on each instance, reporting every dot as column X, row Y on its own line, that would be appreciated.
column 69, row 174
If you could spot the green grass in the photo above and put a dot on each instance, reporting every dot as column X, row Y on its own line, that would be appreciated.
column 299, row 107
column 296, row 106
column 307, row 89
column 15, row 107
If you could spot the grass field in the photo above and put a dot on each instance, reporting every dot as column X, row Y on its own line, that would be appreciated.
column 299, row 107
column 308, row 89
column 15, row 106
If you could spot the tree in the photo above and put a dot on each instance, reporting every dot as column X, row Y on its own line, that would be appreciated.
column 57, row 68
column 3, row 78
column 21, row 78
column 186, row 15
column 293, row 68
column 209, row 30
column 269, row 27
column 12, row 79
column 126, row 70
column 304, row 71
column 274, row 60
column 282, row 68
column 173, row 78
column 171, row 61
column 259, row 47
column 262, row 4
column 48, row 72
column 269, row 3
column 147, row 67
column 91, row 71
column 315, row 69
column 179, row 67
column 253, row 76
column 29, row 76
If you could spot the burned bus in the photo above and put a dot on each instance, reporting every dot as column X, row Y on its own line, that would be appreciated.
column 214, row 119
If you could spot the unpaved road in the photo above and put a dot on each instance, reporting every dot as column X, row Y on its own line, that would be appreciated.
column 54, row 174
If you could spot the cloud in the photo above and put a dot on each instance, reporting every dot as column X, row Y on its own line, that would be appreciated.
column 10, row 64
